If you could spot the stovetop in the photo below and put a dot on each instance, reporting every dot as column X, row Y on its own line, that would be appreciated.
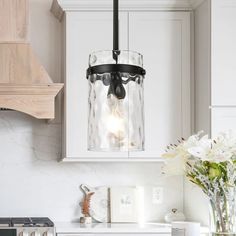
column 26, row 222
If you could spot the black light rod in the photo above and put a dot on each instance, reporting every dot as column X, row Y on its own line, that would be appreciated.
column 115, row 25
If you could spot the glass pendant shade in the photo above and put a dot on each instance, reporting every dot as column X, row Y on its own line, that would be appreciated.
column 116, row 107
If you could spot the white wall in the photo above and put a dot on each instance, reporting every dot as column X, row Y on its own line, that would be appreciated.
column 196, row 206
column 32, row 181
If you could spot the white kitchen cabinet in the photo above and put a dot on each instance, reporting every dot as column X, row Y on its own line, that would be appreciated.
column 215, row 70
column 103, row 234
column 223, row 52
column 164, row 40
column 223, row 119
column 85, row 32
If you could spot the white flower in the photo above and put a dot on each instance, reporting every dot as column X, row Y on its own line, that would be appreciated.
column 201, row 149
column 221, row 148
column 174, row 167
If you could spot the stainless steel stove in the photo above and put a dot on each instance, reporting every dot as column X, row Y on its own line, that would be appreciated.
column 26, row 227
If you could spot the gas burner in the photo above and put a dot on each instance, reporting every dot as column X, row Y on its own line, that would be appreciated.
column 20, row 222
column 5, row 222
column 28, row 222
column 42, row 222
column 26, row 226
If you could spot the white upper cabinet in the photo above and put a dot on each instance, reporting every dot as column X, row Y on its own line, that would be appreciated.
column 223, row 119
column 164, row 40
column 86, row 32
column 223, row 52
column 215, row 67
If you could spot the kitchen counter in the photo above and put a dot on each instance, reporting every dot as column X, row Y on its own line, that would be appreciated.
column 148, row 228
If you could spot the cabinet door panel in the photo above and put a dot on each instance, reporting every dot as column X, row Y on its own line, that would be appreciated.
column 223, row 119
column 164, row 40
column 77, row 234
column 223, row 52
column 119, row 234
column 85, row 32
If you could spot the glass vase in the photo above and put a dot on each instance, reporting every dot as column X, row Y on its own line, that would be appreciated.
column 222, row 212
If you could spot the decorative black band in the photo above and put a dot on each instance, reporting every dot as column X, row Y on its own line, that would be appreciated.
column 109, row 68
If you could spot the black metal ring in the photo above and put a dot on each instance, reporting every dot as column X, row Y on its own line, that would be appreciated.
column 109, row 68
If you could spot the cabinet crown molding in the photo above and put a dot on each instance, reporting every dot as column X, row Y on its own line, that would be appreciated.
column 61, row 6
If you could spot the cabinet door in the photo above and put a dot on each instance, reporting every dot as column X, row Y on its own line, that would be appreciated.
column 105, row 234
column 85, row 32
column 72, row 234
column 223, row 119
column 223, row 52
column 164, row 40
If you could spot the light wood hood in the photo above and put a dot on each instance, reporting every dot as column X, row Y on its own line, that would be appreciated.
column 25, row 85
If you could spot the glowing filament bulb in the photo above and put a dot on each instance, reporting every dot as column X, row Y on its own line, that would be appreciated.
column 115, row 123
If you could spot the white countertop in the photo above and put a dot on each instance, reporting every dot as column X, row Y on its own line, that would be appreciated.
column 150, row 228
column 62, row 227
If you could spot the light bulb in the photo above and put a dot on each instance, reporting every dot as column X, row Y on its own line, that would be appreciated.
column 115, row 124
column 115, row 121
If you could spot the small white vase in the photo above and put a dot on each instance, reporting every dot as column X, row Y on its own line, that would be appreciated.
column 86, row 220
column 174, row 215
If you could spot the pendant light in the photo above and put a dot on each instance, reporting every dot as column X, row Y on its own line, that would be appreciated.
column 116, row 106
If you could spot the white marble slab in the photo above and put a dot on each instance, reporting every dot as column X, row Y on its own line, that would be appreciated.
column 34, row 183
column 151, row 228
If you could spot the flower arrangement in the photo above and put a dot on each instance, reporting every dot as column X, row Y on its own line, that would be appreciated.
column 211, row 165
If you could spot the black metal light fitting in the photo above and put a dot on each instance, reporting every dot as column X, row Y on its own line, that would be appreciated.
column 116, row 97
column 116, row 70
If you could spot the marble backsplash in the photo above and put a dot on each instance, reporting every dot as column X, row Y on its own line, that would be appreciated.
column 34, row 183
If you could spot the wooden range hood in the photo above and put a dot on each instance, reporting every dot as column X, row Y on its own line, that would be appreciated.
column 25, row 85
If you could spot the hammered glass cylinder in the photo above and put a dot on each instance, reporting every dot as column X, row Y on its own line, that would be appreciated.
column 115, row 124
column 223, row 212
